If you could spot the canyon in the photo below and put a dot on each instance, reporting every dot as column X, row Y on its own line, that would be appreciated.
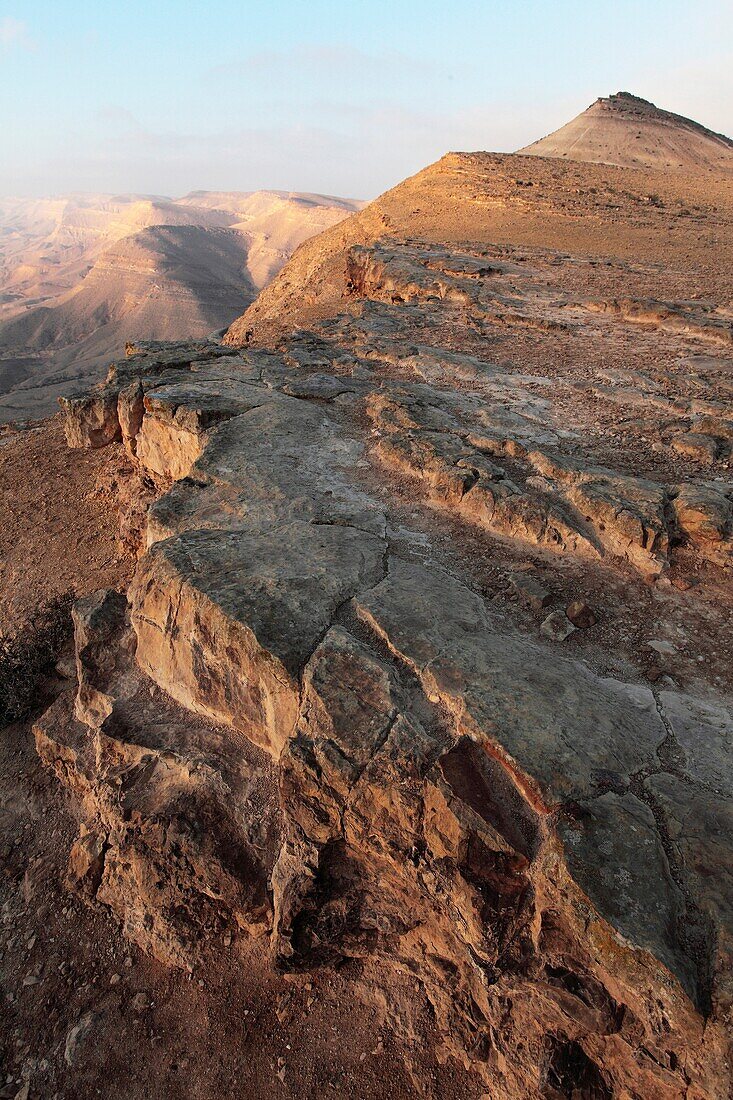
column 81, row 273
column 392, row 748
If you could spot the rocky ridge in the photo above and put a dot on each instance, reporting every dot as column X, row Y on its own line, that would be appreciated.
column 425, row 664
column 382, row 766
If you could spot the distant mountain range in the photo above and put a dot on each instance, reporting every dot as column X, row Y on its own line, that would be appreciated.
column 81, row 274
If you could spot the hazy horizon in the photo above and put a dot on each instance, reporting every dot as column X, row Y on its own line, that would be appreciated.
column 162, row 100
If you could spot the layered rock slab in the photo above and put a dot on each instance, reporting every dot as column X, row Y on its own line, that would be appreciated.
column 177, row 822
column 448, row 790
column 226, row 619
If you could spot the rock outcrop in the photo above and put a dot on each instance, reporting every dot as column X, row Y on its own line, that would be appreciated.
column 425, row 659
column 379, row 765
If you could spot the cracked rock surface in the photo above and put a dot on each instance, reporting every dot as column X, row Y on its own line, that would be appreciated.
column 324, row 707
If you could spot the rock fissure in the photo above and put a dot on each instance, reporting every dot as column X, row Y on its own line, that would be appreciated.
column 696, row 929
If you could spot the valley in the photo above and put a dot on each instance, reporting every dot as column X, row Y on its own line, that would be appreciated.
column 81, row 274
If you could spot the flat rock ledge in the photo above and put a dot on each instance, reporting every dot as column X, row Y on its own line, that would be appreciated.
column 298, row 722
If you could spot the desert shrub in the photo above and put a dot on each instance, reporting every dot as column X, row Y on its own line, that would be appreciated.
column 28, row 655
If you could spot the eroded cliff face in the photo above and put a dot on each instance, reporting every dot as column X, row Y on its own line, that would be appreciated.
column 345, row 698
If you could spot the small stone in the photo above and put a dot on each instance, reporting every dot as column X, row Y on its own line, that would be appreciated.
column 86, row 862
column 557, row 627
column 703, row 448
column 581, row 615
column 529, row 591
column 75, row 1036
column 115, row 979
column 66, row 666
column 139, row 1002
column 664, row 649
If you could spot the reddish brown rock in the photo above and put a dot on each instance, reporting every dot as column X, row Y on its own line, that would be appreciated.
column 581, row 615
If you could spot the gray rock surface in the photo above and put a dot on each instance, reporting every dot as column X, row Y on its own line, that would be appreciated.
column 454, row 794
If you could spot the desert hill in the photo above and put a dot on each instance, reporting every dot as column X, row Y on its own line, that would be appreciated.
column 79, row 274
column 515, row 200
column 626, row 130
column 150, row 270
column 273, row 223
column 47, row 245
column 156, row 283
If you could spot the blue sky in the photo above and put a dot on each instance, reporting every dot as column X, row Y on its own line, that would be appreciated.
column 167, row 97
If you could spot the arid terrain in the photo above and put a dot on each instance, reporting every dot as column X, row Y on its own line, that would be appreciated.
column 79, row 274
column 628, row 131
column 391, row 752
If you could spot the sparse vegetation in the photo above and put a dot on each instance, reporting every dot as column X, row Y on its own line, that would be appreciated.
column 29, row 654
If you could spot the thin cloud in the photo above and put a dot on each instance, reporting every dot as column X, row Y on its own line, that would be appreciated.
column 333, row 59
column 13, row 33
column 351, row 151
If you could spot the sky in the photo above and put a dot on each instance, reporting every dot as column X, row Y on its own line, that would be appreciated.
column 164, row 97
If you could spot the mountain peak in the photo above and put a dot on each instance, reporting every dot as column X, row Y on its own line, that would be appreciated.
column 624, row 129
column 621, row 100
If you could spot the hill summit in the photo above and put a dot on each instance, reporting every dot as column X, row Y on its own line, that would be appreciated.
column 631, row 132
